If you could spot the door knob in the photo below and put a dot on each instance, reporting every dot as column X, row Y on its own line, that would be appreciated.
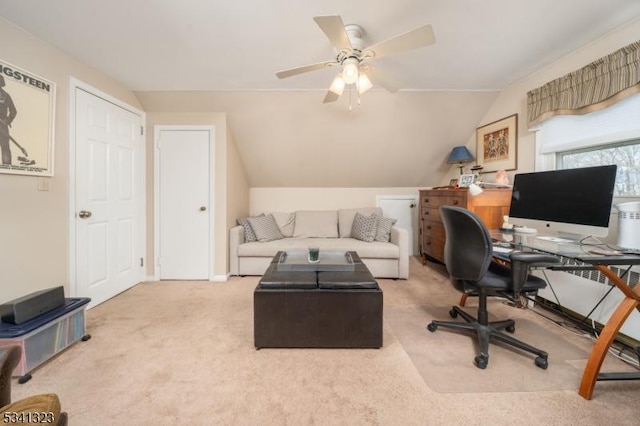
column 84, row 214
column 203, row 208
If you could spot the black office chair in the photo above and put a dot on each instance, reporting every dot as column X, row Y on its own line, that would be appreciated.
column 468, row 257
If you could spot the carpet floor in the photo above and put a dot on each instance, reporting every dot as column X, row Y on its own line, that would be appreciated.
column 181, row 352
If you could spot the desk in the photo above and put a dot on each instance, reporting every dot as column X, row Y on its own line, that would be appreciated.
column 603, row 264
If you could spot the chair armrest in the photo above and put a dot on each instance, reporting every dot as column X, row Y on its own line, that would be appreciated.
column 236, row 237
column 400, row 237
column 521, row 263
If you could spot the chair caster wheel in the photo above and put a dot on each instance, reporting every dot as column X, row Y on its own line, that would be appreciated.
column 432, row 327
column 453, row 313
column 481, row 362
column 510, row 329
column 542, row 362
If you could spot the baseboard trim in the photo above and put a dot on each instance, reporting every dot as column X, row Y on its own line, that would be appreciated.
column 220, row 278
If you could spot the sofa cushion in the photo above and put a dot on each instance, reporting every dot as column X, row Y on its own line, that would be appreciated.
column 346, row 216
column 316, row 224
column 249, row 235
column 365, row 250
column 364, row 227
column 265, row 228
column 285, row 221
column 383, row 232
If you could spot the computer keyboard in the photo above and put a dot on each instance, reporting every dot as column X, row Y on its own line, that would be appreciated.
column 498, row 249
column 630, row 251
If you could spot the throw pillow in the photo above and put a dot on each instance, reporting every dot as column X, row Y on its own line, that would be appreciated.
column 345, row 218
column 286, row 222
column 266, row 228
column 364, row 227
column 249, row 235
column 316, row 224
column 383, row 232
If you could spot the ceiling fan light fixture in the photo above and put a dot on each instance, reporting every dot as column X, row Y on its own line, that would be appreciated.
column 364, row 83
column 337, row 85
column 350, row 70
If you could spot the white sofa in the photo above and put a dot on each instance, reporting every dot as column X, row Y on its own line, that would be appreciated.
column 328, row 230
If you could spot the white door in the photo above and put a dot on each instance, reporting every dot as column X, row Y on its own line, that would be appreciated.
column 109, row 198
column 402, row 208
column 183, row 190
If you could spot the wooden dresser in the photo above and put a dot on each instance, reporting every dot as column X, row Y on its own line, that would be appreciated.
column 491, row 205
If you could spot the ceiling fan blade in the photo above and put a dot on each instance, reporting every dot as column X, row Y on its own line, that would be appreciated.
column 383, row 78
column 419, row 37
column 305, row 68
column 333, row 27
column 330, row 97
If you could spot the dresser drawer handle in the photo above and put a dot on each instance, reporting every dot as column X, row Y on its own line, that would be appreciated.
column 428, row 226
column 456, row 202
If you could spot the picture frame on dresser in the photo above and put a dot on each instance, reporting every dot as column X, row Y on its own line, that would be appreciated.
column 497, row 145
column 465, row 180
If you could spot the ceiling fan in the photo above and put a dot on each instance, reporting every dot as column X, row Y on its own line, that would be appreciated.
column 354, row 58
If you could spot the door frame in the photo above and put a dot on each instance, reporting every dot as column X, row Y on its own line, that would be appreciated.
column 74, row 85
column 156, row 193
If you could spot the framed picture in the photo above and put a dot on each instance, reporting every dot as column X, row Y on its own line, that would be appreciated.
column 26, row 122
column 453, row 182
column 466, row 180
column 497, row 145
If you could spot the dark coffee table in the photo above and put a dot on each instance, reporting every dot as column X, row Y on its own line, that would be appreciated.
column 318, row 309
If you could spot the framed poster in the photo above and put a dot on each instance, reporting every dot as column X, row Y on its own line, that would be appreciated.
column 27, row 105
column 497, row 145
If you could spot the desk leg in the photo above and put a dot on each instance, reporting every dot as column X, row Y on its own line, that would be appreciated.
column 599, row 352
column 463, row 299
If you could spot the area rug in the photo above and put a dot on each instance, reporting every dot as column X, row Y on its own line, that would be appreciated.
column 444, row 359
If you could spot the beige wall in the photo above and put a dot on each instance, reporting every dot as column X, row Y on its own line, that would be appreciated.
column 291, row 199
column 228, row 179
column 514, row 98
column 291, row 139
column 34, row 224
column 237, row 188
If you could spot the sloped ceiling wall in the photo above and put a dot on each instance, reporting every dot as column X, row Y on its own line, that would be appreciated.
column 291, row 139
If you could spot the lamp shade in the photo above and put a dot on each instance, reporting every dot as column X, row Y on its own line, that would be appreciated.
column 350, row 71
column 460, row 154
column 364, row 84
column 337, row 86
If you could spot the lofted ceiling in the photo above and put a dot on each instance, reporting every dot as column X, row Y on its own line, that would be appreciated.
column 221, row 56
column 153, row 45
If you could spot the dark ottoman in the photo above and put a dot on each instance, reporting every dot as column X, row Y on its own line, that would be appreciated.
column 307, row 309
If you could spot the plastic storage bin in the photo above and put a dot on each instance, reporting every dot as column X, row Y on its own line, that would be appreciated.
column 629, row 225
column 45, row 335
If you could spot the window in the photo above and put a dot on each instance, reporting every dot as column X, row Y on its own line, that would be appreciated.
column 608, row 136
column 626, row 155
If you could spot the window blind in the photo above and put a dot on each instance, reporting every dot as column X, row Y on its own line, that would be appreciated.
column 616, row 123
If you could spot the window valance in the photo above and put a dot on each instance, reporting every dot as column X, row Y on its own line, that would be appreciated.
column 595, row 86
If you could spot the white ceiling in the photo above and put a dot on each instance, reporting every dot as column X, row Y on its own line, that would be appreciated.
column 151, row 45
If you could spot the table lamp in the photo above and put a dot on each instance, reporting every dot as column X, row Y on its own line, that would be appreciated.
column 460, row 154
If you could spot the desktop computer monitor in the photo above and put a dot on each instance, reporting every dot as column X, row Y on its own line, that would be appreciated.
column 573, row 203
